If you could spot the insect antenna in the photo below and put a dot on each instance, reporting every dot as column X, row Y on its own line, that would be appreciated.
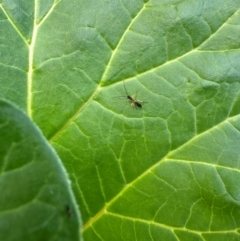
column 119, row 96
column 125, row 89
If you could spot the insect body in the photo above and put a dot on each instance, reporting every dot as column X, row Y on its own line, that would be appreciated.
column 68, row 211
column 132, row 99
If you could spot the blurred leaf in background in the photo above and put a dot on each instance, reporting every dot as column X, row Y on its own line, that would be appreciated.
column 36, row 202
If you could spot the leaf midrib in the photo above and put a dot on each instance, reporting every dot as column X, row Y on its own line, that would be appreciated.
column 31, row 47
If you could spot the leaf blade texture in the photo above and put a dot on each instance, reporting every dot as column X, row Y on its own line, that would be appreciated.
column 168, row 171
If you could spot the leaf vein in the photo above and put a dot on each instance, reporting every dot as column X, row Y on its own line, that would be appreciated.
column 14, row 25
column 121, row 40
column 161, row 161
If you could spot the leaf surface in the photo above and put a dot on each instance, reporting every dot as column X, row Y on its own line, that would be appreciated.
column 168, row 171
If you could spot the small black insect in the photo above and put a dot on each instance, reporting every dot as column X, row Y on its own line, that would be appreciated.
column 132, row 99
column 68, row 211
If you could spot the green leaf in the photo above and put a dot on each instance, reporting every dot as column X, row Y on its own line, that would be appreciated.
column 167, row 171
column 36, row 202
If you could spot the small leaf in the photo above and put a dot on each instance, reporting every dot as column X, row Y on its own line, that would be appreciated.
column 36, row 202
